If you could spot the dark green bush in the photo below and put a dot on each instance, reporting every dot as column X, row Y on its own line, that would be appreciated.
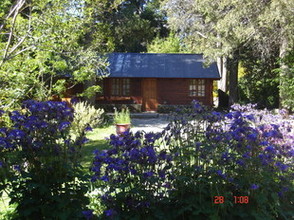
column 161, row 108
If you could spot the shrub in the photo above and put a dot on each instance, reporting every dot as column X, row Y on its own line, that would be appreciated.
column 176, row 174
column 85, row 118
column 133, row 171
column 170, row 108
column 41, row 162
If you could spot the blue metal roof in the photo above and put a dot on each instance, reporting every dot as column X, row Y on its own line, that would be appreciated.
column 160, row 65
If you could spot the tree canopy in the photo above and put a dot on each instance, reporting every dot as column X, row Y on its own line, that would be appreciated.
column 227, row 27
column 132, row 24
column 219, row 27
column 45, row 48
column 170, row 44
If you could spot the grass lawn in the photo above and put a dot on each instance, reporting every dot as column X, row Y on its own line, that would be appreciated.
column 97, row 141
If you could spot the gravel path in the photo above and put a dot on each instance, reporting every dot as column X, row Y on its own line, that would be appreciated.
column 149, row 124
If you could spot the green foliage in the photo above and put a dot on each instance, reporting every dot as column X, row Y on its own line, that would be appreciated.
column 7, row 212
column 137, row 29
column 122, row 117
column 262, row 81
column 4, row 7
column 288, row 88
column 36, row 62
column 171, row 44
column 85, row 117
column 259, row 83
column 59, row 87
column 220, row 27
column 228, row 27
column 139, row 21
column 90, row 91
column 287, row 82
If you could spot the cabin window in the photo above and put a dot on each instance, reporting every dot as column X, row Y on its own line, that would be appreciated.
column 197, row 87
column 120, row 87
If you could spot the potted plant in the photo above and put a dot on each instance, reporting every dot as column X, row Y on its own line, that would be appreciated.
column 122, row 120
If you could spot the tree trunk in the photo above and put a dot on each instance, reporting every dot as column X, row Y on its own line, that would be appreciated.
column 223, row 98
column 284, row 73
column 232, row 66
column 222, row 68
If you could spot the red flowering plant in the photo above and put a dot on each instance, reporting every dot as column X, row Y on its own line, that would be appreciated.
column 41, row 161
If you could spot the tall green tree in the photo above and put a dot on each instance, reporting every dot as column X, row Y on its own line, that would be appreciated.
column 132, row 24
column 223, row 28
column 259, row 82
column 45, row 48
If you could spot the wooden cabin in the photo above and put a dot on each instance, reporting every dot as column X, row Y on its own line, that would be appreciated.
column 151, row 79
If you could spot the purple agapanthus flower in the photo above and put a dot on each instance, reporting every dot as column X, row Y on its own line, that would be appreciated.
column 148, row 174
column 17, row 168
column 105, row 178
column 16, row 134
column 67, row 141
column 221, row 174
column 281, row 166
column 74, row 100
column 167, row 185
column 161, row 174
column 88, row 128
column 254, row 186
column 88, row 214
column 63, row 125
column 110, row 212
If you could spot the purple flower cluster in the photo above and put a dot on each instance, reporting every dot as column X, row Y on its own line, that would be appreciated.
column 242, row 150
column 88, row 214
column 39, row 156
column 37, row 128
column 132, row 161
column 129, row 155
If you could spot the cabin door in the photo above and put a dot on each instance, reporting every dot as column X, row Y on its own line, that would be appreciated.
column 149, row 92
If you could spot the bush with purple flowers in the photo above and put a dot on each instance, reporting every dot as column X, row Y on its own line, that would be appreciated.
column 40, row 162
column 201, row 154
column 133, row 174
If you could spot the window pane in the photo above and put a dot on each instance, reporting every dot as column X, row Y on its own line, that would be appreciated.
column 197, row 87
column 114, row 87
column 126, row 87
column 201, row 93
column 120, row 87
